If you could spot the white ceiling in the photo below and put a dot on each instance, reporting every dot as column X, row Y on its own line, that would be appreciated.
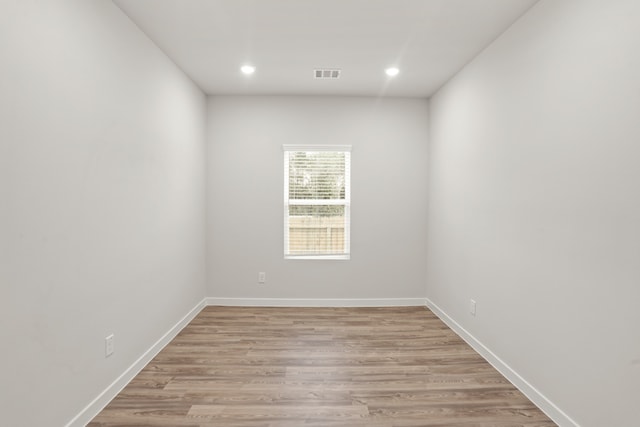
column 429, row 40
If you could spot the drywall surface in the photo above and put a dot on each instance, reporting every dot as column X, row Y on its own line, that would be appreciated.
column 245, row 196
column 534, row 207
column 101, row 202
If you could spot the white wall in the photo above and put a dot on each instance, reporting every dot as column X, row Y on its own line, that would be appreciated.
column 101, row 202
column 535, row 207
column 245, row 189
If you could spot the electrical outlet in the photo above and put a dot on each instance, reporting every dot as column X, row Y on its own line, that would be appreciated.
column 262, row 277
column 472, row 307
column 109, row 346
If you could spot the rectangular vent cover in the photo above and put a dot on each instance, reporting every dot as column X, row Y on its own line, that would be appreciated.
column 326, row 73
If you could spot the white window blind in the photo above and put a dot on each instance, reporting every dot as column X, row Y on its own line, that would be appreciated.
column 317, row 199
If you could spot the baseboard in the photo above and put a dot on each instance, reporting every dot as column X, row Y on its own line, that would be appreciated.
column 550, row 409
column 98, row 404
column 316, row 302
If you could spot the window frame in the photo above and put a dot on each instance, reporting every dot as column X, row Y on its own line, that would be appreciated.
column 346, row 149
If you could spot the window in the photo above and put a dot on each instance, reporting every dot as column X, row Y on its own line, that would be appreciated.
column 317, row 201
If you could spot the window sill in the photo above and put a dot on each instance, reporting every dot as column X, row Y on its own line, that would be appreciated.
column 319, row 257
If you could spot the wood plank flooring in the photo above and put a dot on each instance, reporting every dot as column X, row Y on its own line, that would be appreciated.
column 333, row 367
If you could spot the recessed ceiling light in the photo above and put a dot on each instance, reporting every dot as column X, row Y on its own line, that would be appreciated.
column 247, row 69
column 392, row 71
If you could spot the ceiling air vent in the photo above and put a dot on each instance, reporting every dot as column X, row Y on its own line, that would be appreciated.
column 325, row 73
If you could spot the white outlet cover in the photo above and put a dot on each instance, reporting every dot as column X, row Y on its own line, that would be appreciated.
column 109, row 346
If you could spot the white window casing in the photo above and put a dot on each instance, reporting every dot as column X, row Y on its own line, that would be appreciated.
column 317, row 201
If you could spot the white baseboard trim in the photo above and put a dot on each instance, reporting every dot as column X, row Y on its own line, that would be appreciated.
column 545, row 405
column 99, row 403
column 316, row 302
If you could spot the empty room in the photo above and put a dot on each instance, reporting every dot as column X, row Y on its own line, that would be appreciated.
column 337, row 213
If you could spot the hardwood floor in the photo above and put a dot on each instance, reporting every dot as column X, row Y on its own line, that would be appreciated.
column 333, row 367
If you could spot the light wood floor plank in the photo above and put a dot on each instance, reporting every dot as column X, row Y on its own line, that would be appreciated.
column 319, row 367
